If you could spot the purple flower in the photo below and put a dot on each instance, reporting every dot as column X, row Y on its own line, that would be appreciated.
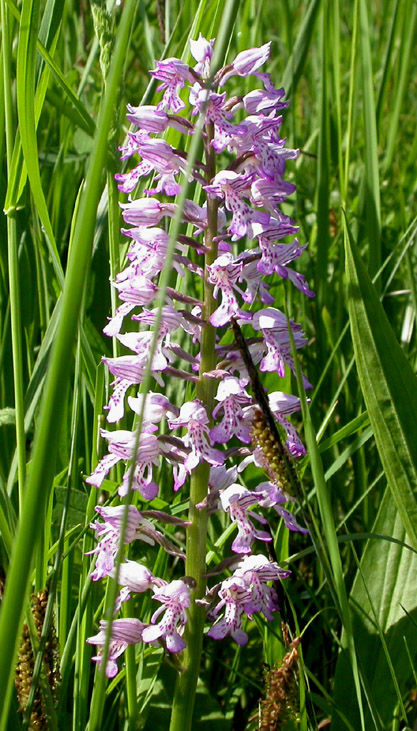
column 283, row 404
column 146, row 212
column 109, row 535
column 246, row 592
column 290, row 520
column 121, row 444
column 270, row 193
column 173, row 73
column 148, row 253
column 272, row 156
column 219, row 479
column 132, row 144
column 146, row 457
column 255, row 571
column 134, row 577
column 271, row 496
column 202, row 51
column 256, row 288
column 175, row 598
column 276, row 257
column 213, row 106
column 120, row 447
column 193, row 416
column 232, row 399
column 224, row 273
column 231, row 186
column 269, row 153
column 128, row 181
column 157, row 406
column 237, row 500
column 138, row 528
column 135, row 291
column 154, row 120
column 234, row 361
column 273, row 325
column 264, row 100
column 233, row 597
column 148, row 117
column 129, row 370
column 246, row 62
column 124, row 632
column 163, row 159
column 141, row 342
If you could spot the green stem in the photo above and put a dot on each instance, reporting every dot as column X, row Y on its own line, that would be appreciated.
column 13, row 262
column 195, row 563
column 114, row 236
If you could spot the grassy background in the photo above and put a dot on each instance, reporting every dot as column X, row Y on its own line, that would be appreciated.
column 350, row 72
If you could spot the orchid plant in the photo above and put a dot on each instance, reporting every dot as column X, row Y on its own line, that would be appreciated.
column 211, row 439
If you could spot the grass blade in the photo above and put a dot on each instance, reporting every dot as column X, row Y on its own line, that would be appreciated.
column 299, row 52
column 371, row 176
column 389, row 387
column 382, row 587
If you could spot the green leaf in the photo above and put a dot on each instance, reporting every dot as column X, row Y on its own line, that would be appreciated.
column 210, row 715
column 389, row 387
column 77, row 506
column 382, row 596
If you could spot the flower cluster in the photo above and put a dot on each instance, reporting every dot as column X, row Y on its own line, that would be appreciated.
column 244, row 200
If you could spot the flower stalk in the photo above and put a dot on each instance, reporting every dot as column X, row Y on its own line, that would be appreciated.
column 195, row 563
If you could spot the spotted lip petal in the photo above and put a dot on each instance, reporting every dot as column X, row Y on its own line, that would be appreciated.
column 175, row 599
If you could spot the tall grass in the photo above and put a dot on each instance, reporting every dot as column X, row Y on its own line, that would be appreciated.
column 68, row 70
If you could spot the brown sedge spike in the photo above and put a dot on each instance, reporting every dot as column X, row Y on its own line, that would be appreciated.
column 26, row 664
column 278, row 708
column 265, row 433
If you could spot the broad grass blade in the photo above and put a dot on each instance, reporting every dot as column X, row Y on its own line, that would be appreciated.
column 383, row 589
column 389, row 387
